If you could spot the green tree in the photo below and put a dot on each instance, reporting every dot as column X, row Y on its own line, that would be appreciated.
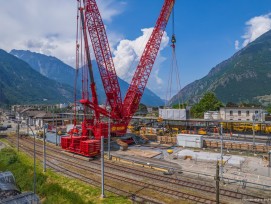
column 209, row 102
column 231, row 104
column 177, row 106
column 142, row 109
column 268, row 108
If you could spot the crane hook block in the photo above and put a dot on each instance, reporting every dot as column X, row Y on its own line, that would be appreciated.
column 173, row 39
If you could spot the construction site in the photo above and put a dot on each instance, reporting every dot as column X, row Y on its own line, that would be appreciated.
column 169, row 158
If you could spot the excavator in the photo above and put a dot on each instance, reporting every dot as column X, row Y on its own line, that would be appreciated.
column 86, row 140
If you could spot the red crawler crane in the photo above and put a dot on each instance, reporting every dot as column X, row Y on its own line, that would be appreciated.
column 87, row 140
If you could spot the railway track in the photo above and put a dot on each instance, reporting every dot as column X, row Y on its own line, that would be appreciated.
column 151, row 176
column 141, row 184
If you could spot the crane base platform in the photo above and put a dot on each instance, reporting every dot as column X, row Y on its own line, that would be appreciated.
column 81, row 145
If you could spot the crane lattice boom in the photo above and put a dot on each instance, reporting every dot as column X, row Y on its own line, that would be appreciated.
column 103, row 56
column 82, row 140
column 142, row 73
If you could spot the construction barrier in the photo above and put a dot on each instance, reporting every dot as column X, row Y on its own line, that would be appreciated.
column 217, row 144
column 237, row 146
column 167, row 140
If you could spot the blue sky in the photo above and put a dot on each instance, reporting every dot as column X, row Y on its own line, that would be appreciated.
column 207, row 32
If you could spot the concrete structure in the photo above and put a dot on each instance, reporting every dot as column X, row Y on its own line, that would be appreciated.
column 149, row 109
column 212, row 115
column 190, row 140
column 210, row 156
column 174, row 114
column 241, row 113
column 19, row 108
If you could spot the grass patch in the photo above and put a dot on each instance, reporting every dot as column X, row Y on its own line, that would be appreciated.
column 51, row 187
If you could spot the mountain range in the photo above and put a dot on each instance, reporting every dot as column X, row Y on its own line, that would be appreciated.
column 20, row 84
column 244, row 77
column 57, row 70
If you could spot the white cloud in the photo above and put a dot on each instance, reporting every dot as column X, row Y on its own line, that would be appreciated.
column 236, row 44
column 256, row 26
column 110, row 8
column 47, row 27
column 128, row 53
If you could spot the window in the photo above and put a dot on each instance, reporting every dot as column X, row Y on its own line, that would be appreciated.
column 230, row 113
column 256, row 112
column 247, row 113
column 239, row 113
column 239, row 119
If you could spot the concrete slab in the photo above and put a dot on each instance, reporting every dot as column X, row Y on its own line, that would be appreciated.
column 210, row 156
column 139, row 152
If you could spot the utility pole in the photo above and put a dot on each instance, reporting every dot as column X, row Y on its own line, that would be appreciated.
column 217, row 179
column 18, row 135
column 221, row 151
column 109, row 134
column 102, row 166
column 34, row 182
column 27, row 120
column 55, row 123
column 269, row 162
column 253, row 130
column 44, row 148
column 56, row 130
column 34, row 178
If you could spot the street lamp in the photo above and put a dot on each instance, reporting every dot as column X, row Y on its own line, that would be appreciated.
column 34, row 179
column 109, row 134
column 102, row 166
column 44, row 147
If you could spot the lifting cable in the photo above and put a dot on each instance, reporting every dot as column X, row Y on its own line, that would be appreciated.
column 174, row 69
column 76, row 63
column 85, row 93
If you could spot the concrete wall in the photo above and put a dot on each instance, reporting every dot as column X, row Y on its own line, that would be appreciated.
column 190, row 140
column 174, row 114
column 242, row 114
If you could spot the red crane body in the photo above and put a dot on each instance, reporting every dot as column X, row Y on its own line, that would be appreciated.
column 142, row 73
column 103, row 56
column 87, row 141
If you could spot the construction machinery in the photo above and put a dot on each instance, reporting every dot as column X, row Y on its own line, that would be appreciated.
column 86, row 140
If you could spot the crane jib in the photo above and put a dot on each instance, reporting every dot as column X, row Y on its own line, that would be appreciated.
column 143, row 70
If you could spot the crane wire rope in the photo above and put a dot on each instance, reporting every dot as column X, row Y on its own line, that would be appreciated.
column 173, row 69
column 83, row 66
column 76, row 63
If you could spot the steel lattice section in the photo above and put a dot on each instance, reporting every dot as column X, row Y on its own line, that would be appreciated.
column 103, row 56
column 143, row 70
